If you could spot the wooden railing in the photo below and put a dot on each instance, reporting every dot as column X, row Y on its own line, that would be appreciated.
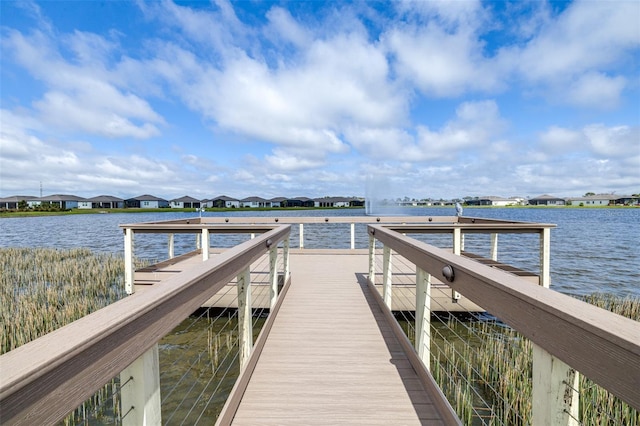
column 47, row 378
column 568, row 335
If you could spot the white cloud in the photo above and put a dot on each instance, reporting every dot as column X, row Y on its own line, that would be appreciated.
column 596, row 90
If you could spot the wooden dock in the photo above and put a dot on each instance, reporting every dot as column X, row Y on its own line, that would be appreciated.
column 331, row 356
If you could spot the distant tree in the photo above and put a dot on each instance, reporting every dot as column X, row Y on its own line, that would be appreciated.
column 589, row 194
column 22, row 205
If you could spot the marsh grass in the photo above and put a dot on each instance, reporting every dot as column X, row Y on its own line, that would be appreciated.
column 43, row 289
column 488, row 380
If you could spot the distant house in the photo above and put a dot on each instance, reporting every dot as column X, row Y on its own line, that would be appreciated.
column 63, row 201
column 185, row 202
column 299, row 202
column 146, row 202
column 278, row 201
column 254, row 202
column 106, row 202
column 547, row 200
column 491, row 201
column 222, row 202
column 599, row 200
column 333, row 202
column 12, row 202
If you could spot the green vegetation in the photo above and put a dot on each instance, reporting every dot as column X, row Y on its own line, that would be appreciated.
column 488, row 377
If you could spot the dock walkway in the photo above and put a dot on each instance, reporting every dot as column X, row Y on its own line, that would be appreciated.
column 331, row 357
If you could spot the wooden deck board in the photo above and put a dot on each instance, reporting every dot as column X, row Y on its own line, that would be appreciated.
column 330, row 358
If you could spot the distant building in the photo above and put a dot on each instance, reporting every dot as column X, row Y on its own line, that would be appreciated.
column 185, row 202
column 146, row 202
column 106, row 202
column 547, row 200
column 278, row 201
column 63, row 201
column 491, row 201
column 254, row 202
column 223, row 202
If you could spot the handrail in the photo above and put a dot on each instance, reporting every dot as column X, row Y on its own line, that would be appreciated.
column 603, row 346
column 47, row 378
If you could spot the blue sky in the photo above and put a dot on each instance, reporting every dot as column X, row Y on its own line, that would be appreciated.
column 419, row 99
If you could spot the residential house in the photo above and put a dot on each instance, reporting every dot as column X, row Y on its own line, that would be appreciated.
column 332, row 202
column 490, row 200
column 12, row 202
column 278, row 201
column 106, row 202
column 63, row 201
column 299, row 202
column 547, row 200
column 146, row 202
column 222, row 202
column 255, row 202
column 598, row 200
column 185, row 202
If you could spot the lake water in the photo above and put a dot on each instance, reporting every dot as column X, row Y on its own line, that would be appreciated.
column 592, row 250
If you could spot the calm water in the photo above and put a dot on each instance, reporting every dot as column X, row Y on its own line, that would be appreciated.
column 592, row 250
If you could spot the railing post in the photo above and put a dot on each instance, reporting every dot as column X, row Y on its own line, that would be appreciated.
column 387, row 274
column 205, row 244
column 423, row 317
column 555, row 390
column 545, row 257
column 273, row 275
column 353, row 236
column 494, row 246
column 285, row 259
column 171, row 247
column 198, row 241
column 245, row 328
column 128, row 261
column 458, row 242
column 372, row 259
column 141, row 403
column 301, row 236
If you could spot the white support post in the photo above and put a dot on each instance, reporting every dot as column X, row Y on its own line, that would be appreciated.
column 555, row 390
column 171, row 247
column 423, row 317
column 387, row 274
column 253, row 235
column 205, row 244
column 198, row 241
column 285, row 259
column 128, row 261
column 273, row 276
column 141, row 403
column 301, row 236
column 494, row 246
column 245, row 327
column 545, row 257
column 458, row 242
column 353, row 236
column 372, row 259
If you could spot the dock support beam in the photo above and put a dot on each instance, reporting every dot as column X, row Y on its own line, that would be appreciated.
column 205, row 244
column 494, row 247
column 387, row 276
column 458, row 246
column 171, row 247
column 423, row 317
column 545, row 258
column 285, row 259
column 273, row 276
column 141, row 404
column 353, row 236
column 301, row 236
column 128, row 261
column 372, row 259
column 245, row 326
column 555, row 390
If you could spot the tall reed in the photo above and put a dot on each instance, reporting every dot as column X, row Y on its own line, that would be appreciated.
column 488, row 378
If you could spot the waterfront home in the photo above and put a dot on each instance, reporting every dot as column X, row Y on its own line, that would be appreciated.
column 185, row 202
column 299, row 202
column 491, row 200
column 602, row 200
column 223, row 202
column 337, row 202
column 106, row 202
column 278, row 201
column 146, row 202
column 12, row 202
column 254, row 202
column 63, row 201
column 547, row 200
